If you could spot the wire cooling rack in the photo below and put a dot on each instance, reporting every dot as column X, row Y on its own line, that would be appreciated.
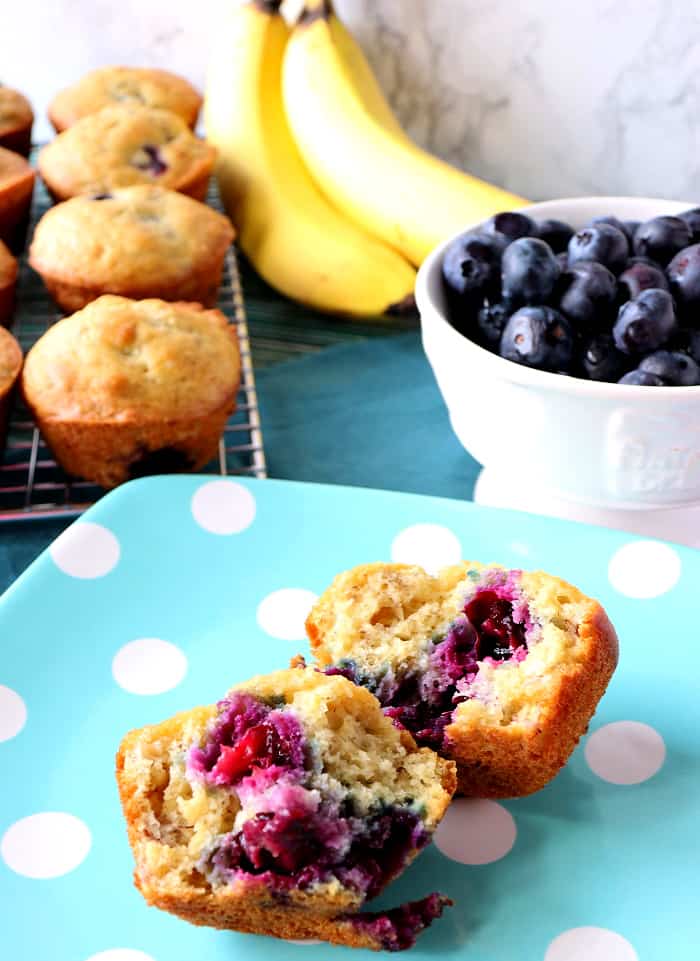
column 32, row 484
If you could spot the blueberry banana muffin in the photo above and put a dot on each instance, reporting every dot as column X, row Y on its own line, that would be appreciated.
column 136, row 85
column 8, row 284
column 124, row 145
column 135, row 241
column 500, row 670
column 125, row 388
column 16, row 119
column 283, row 809
column 10, row 366
column 16, row 190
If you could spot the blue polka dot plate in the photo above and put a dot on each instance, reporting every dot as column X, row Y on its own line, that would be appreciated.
column 170, row 590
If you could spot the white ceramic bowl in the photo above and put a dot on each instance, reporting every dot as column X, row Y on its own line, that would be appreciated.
column 608, row 445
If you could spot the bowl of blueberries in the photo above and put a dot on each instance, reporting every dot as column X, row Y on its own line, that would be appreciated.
column 565, row 339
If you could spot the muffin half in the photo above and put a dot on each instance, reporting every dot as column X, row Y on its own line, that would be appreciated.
column 139, row 242
column 500, row 670
column 123, row 145
column 282, row 810
column 126, row 388
column 137, row 85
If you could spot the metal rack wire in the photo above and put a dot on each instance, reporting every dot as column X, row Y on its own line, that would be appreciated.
column 32, row 484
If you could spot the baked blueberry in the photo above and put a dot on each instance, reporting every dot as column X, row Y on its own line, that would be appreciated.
column 510, row 225
column 661, row 238
column 149, row 159
column 588, row 295
column 640, row 274
column 645, row 324
column 538, row 337
column 529, row 272
column 555, row 233
column 601, row 242
column 601, row 360
column 471, row 268
column 684, row 277
column 641, row 378
column 673, row 367
column 692, row 218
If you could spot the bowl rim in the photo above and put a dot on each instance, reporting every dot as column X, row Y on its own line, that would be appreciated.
column 530, row 376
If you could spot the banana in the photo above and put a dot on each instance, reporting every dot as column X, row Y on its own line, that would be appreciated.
column 294, row 237
column 385, row 183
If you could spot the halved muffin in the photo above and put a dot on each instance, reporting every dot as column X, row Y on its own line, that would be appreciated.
column 281, row 810
column 500, row 670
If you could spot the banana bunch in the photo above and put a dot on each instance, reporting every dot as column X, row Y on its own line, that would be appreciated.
column 333, row 203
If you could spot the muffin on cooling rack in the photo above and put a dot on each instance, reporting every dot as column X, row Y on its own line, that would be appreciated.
column 281, row 810
column 123, row 145
column 16, row 119
column 127, row 388
column 10, row 366
column 135, row 241
column 500, row 670
column 16, row 189
column 109, row 85
column 8, row 284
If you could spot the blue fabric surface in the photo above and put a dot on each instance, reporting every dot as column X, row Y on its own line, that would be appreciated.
column 366, row 414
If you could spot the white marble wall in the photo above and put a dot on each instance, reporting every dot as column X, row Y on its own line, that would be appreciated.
column 548, row 97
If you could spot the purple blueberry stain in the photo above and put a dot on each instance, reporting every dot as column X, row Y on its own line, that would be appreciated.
column 150, row 160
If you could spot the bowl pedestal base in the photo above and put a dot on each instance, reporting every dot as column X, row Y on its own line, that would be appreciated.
column 679, row 524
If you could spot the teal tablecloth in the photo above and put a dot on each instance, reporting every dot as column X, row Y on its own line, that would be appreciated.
column 366, row 413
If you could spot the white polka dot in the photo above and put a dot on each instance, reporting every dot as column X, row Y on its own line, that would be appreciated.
column 476, row 831
column 644, row 569
column 149, row 666
column 282, row 613
column 586, row 944
column 223, row 507
column 46, row 845
column 13, row 713
column 432, row 546
column 120, row 954
column 85, row 550
column 625, row 752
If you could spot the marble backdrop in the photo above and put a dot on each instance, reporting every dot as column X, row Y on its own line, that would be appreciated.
column 547, row 97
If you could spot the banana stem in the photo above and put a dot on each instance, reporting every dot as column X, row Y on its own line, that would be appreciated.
column 266, row 6
column 315, row 10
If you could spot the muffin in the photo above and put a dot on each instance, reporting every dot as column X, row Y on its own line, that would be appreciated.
column 500, row 670
column 10, row 366
column 16, row 189
column 281, row 810
column 137, row 85
column 126, row 388
column 8, row 284
column 16, row 119
column 136, row 241
column 123, row 145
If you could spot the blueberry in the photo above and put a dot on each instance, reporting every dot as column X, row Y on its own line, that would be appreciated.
column 661, row 238
column 490, row 322
column 555, row 233
column 102, row 196
column 692, row 218
column 602, row 242
column 641, row 378
column 630, row 228
column 601, row 360
column 638, row 276
column 510, row 226
column 529, row 272
column 471, row 269
column 538, row 337
column 673, row 367
column 588, row 295
column 646, row 323
column 150, row 160
column 684, row 275
column 608, row 219
column 563, row 260
column 692, row 345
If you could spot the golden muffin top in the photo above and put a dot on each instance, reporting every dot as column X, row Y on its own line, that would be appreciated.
column 124, row 360
column 15, row 110
column 129, row 238
column 138, row 85
column 122, row 145
column 13, row 169
column 10, row 360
